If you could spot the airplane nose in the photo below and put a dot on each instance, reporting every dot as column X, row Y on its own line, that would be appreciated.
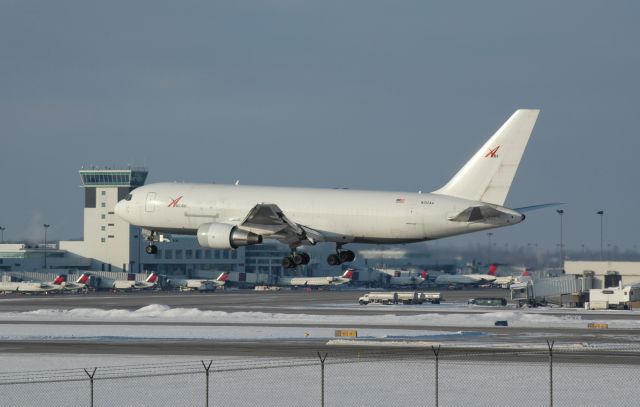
column 121, row 209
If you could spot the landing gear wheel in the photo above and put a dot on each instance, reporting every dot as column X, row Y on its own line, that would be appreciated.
column 151, row 249
column 352, row 255
column 297, row 258
column 301, row 258
column 346, row 256
column 333, row 260
column 287, row 262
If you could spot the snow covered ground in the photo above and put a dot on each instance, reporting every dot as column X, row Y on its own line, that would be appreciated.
column 157, row 312
column 141, row 380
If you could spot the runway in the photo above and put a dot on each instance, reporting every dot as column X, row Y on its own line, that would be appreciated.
column 294, row 311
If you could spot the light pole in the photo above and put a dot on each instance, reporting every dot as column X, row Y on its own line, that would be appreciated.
column 2, row 229
column 489, row 248
column 561, row 213
column 46, row 226
column 601, row 213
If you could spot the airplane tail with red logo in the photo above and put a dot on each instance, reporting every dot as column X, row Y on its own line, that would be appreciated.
column 83, row 279
column 153, row 278
column 224, row 276
column 493, row 270
column 59, row 280
column 424, row 274
column 348, row 274
column 488, row 175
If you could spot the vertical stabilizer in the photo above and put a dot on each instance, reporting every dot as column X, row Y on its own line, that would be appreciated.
column 488, row 175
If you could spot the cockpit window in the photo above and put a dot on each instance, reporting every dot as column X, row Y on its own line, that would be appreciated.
column 128, row 197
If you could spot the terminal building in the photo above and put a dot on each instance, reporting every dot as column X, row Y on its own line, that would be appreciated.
column 111, row 245
column 606, row 273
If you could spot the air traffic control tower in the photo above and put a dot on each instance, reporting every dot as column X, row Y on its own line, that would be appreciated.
column 111, row 243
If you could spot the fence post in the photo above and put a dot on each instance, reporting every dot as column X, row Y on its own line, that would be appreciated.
column 91, row 381
column 206, row 372
column 436, row 352
column 550, row 346
column 322, row 358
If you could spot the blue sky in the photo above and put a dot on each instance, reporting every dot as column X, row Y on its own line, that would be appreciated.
column 360, row 94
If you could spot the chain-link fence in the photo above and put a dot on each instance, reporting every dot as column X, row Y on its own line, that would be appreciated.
column 436, row 376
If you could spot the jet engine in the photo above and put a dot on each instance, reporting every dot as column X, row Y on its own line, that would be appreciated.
column 225, row 236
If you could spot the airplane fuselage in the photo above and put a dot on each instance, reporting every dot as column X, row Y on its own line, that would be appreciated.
column 340, row 215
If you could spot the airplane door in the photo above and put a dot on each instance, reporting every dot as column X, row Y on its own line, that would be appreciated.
column 150, row 204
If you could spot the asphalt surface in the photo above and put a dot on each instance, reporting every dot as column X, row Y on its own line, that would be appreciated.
column 295, row 301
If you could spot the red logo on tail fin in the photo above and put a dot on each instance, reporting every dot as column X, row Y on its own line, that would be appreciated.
column 83, row 278
column 424, row 274
column 224, row 276
column 59, row 280
column 153, row 277
column 493, row 269
column 348, row 274
column 493, row 153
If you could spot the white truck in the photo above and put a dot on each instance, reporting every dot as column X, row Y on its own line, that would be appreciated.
column 613, row 297
column 401, row 297
column 385, row 298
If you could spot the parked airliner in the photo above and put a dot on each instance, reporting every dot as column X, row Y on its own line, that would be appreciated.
column 199, row 284
column 230, row 216
column 345, row 278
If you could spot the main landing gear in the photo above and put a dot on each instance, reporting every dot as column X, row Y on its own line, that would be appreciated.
column 295, row 259
column 152, row 248
column 341, row 256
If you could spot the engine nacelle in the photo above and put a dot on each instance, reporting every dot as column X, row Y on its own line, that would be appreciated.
column 225, row 236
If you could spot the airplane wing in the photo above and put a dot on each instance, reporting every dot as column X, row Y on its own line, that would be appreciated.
column 269, row 219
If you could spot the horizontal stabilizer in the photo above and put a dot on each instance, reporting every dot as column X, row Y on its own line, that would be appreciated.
column 536, row 207
column 476, row 214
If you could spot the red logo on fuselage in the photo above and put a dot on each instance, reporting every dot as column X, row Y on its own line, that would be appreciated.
column 174, row 202
column 493, row 153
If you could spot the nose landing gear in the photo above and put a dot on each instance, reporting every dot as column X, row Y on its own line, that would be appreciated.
column 152, row 248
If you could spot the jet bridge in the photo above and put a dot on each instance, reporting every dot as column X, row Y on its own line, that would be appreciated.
column 549, row 290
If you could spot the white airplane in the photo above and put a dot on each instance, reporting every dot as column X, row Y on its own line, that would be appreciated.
column 200, row 284
column 316, row 281
column 150, row 282
column 400, row 280
column 470, row 279
column 229, row 216
column 33, row 286
column 79, row 284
